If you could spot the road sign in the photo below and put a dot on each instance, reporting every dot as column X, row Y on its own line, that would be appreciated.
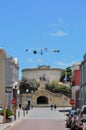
column 13, row 101
column 72, row 101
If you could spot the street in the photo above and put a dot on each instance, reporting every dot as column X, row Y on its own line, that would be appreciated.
column 42, row 119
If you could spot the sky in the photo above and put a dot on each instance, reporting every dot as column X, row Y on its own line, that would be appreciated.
column 39, row 24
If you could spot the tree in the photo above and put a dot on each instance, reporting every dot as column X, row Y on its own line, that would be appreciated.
column 66, row 75
column 56, row 87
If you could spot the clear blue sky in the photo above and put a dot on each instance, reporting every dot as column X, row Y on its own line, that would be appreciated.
column 37, row 24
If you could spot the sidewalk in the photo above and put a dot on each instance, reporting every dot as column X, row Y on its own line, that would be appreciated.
column 6, row 125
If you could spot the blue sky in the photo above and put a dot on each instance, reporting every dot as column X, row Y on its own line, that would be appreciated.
column 38, row 24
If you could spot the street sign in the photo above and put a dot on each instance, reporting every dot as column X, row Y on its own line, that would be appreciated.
column 72, row 101
column 13, row 101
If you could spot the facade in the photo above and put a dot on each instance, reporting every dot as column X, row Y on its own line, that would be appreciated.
column 42, row 96
column 75, row 80
column 9, row 69
column 42, row 73
column 83, row 81
column 12, row 73
column 3, row 57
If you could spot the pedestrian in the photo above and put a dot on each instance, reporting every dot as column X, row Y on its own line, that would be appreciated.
column 51, row 106
column 55, row 106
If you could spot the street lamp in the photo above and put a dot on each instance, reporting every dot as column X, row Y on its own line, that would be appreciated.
column 27, row 94
column 18, row 98
column 32, row 97
column 27, row 90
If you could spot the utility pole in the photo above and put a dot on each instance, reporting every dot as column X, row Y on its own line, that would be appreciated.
column 4, row 119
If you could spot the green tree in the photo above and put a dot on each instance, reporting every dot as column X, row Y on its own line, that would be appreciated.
column 56, row 87
column 66, row 74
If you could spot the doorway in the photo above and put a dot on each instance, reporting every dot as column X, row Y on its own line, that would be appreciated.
column 42, row 100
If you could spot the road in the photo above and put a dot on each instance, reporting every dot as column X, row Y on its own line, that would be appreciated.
column 42, row 119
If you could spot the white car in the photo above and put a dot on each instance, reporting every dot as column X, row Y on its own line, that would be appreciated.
column 83, row 112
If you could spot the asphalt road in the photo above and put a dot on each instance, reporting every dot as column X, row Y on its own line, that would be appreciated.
column 42, row 119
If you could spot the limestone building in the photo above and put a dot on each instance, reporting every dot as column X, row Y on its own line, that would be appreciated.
column 42, row 73
column 42, row 96
column 9, row 69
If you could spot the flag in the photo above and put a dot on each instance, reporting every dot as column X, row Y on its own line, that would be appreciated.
column 46, row 49
column 41, row 52
column 35, row 52
column 26, row 49
column 56, row 50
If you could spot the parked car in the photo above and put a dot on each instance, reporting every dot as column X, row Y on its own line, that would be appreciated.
column 82, row 116
column 69, row 118
column 83, row 112
column 72, row 120
column 1, row 108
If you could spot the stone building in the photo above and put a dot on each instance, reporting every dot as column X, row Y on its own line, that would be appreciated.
column 9, row 69
column 42, row 73
column 3, row 57
column 42, row 96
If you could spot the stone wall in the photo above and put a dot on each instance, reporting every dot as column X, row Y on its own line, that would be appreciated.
column 58, row 99
column 51, row 74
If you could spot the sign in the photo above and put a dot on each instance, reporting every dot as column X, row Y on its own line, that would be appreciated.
column 72, row 101
column 8, row 89
column 13, row 101
column 64, row 102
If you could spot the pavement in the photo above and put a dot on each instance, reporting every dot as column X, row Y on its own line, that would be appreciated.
column 3, row 126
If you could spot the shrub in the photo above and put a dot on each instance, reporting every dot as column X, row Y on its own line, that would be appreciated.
column 8, row 113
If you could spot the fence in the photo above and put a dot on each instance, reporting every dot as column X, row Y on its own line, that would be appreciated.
column 20, row 114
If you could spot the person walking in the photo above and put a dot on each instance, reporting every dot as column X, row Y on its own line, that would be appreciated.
column 54, row 106
column 51, row 106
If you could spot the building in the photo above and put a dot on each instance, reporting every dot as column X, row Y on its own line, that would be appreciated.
column 75, row 81
column 3, row 57
column 9, row 69
column 12, row 76
column 41, row 96
column 83, row 81
column 42, row 73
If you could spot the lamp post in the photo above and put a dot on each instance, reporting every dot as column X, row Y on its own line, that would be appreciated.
column 27, row 102
column 18, row 99
column 15, row 100
column 27, row 94
column 32, row 98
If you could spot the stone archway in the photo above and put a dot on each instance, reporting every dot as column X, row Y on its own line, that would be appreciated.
column 42, row 100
